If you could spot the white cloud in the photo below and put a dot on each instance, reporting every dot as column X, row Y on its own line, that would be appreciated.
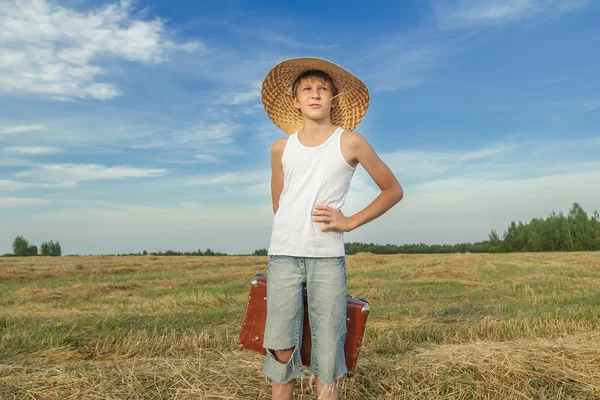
column 400, row 62
column 10, row 202
column 246, row 178
column 206, row 158
column 291, row 42
column 267, row 134
column 54, row 51
column 405, row 69
column 20, row 129
column 593, row 105
column 465, row 13
column 32, row 150
column 237, row 98
column 251, row 95
column 469, row 211
column 219, row 133
column 13, row 186
column 15, row 162
column 190, row 205
column 87, row 172
column 502, row 160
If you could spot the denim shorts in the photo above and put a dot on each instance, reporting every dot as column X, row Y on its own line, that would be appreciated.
column 326, row 287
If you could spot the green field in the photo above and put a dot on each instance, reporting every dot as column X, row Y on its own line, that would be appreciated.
column 457, row 326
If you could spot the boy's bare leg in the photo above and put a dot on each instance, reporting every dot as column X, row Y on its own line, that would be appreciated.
column 327, row 392
column 283, row 391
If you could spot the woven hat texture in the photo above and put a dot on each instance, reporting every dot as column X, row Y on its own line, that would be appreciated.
column 352, row 103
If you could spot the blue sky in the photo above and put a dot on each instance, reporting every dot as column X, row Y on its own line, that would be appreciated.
column 127, row 126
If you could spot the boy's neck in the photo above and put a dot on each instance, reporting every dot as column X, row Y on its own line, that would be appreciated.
column 313, row 128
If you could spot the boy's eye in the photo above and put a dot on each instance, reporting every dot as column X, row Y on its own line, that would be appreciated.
column 306, row 88
column 323, row 88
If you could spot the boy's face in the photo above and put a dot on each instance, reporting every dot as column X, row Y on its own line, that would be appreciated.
column 312, row 98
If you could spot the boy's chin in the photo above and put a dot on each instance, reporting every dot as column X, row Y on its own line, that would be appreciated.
column 317, row 114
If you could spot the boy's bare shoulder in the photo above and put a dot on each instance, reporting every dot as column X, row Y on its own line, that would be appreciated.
column 354, row 139
column 279, row 145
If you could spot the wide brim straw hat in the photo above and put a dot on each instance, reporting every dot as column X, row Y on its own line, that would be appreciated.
column 352, row 102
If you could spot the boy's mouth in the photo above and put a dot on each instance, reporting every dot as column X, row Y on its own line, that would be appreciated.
column 314, row 106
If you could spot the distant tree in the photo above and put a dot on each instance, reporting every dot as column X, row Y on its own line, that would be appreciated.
column 32, row 250
column 209, row 252
column 45, row 249
column 144, row 253
column 495, row 245
column 51, row 249
column 421, row 248
column 20, row 246
column 573, row 232
column 260, row 252
column 55, row 249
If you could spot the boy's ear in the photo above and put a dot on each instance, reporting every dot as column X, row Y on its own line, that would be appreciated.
column 296, row 102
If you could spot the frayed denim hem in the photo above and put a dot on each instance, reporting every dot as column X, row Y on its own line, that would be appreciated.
column 283, row 373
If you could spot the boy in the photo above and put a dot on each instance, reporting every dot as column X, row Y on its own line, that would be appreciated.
column 318, row 104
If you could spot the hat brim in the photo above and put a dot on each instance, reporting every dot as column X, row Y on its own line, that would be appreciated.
column 351, row 106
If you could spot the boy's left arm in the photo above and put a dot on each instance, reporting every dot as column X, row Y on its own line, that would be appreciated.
column 391, row 191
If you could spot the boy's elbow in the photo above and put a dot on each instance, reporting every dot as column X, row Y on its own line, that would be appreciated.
column 398, row 194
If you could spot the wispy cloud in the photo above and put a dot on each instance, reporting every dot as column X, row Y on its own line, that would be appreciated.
column 32, row 150
column 247, row 178
column 20, row 129
column 190, row 205
column 53, row 51
column 87, row 172
column 207, row 134
column 454, row 214
column 501, row 160
column 242, row 97
column 398, row 62
column 593, row 105
column 466, row 13
column 9, row 202
column 16, row 162
column 13, row 186
column 293, row 43
column 404, row 69
column 206, row 158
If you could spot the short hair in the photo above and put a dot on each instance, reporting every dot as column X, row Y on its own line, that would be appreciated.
column 313, row 73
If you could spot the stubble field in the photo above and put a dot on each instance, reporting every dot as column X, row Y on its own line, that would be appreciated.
column 457, row 326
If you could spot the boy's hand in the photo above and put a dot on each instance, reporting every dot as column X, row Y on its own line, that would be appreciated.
column 332, row 218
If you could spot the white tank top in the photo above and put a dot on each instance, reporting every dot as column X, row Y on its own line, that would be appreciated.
column 312, row 176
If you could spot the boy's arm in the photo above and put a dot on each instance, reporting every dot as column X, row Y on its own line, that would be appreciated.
column 277, row 171
column 391, row 191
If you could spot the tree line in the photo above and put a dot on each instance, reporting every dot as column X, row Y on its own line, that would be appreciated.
column 572, row 232
column 207, row 252
column 421, row 248
column 22, row 248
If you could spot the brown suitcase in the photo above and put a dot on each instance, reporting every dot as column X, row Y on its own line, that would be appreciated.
column 255, row 317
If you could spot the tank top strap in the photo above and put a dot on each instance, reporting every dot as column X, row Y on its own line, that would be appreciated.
column 338, row 133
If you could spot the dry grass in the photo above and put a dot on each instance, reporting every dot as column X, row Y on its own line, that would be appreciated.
column 457, row 326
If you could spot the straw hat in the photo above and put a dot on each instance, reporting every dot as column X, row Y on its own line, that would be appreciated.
column 276, row 92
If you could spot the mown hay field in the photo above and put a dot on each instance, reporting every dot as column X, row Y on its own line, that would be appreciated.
column 456, row 326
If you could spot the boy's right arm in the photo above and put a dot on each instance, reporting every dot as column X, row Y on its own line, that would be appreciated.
column 277, row 171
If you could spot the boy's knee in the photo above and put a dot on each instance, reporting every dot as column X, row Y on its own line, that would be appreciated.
column 283, row 356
